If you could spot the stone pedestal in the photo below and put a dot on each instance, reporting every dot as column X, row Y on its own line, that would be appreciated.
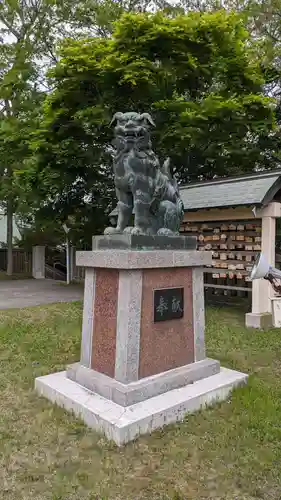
column 143, row 361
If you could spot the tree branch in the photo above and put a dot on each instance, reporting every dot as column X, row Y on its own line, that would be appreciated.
column 10, row 27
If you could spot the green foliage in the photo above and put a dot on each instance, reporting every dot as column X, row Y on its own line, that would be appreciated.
column 263, row 22
column 199, row 74
column 193, row 72
column 29, row 32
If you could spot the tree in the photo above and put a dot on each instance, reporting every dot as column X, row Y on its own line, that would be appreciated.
column 18, row 120
column 193, row 72
column 265, row 21
column 20, row 27
column 17, row 94
column 29, row 32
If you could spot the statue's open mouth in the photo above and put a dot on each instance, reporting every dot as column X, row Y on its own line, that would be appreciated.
column 132, row 133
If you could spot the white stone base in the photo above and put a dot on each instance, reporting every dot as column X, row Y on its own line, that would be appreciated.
column 121, row 424
column 262, row 321
column 276, row 311
column 145, row 388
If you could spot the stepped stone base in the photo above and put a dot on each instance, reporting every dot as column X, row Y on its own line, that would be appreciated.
column 122, row 425
column 262, row 321
column 148, row 387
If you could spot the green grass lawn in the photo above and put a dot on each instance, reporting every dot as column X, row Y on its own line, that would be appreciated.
column 232, row 451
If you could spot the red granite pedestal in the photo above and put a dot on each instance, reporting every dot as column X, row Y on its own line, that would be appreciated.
column 137, row 372
column 163, row 345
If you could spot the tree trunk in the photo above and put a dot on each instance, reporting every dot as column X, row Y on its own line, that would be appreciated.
column 10, row 237
column 10, row 206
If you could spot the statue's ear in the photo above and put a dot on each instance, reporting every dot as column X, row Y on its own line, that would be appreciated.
column 117, row 116
column 147, row 117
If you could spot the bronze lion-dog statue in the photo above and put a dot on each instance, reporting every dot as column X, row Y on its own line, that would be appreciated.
column 143, row 186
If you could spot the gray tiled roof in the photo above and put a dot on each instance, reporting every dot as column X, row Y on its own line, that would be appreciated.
column 258, row 189
column 254, row 189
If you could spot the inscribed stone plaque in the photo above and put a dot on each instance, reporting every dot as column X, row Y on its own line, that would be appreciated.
column 168, row 304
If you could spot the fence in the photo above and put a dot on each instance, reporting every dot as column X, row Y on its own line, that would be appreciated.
column 22, row 261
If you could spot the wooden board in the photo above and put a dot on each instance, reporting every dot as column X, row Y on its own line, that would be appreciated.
column 234, row 246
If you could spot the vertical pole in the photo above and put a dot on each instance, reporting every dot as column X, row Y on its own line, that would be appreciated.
column 71, row 263
column 67, row 261
column 268, row 250
column 9, row 236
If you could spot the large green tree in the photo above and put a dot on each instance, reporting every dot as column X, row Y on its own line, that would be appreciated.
column 263, row 21
column 29, row 33
column 19, row 96
column 194, row 73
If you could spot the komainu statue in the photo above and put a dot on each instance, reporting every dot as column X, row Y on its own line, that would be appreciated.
column 142, row 185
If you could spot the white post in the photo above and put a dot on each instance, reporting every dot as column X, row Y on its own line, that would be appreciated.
column 72, row 263
column 67, row 260
column 38, row 262
column 268, row 250
column 262, row 293
column 66, row 230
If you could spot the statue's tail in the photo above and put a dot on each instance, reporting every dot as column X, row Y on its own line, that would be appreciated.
column 180, row 207
column 166, row 168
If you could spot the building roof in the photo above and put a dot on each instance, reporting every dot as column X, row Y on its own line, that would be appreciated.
column 254, row 189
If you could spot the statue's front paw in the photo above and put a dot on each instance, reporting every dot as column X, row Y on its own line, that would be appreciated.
column 163, row 231
column 112, row 230
column 137, row 230
column 128, row 230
